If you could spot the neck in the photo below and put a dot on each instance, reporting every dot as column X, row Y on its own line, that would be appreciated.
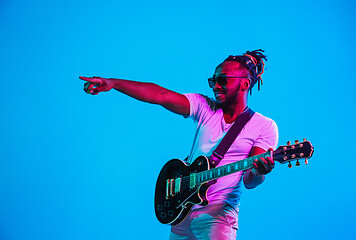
column 233, row 110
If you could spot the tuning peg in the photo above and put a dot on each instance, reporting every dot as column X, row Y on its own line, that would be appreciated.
column 306, row 161
column 304, row 139
column 296, row 141
column 297, row 163
column 290, row 165
column 288, row 143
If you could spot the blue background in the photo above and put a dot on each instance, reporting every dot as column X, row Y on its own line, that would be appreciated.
column 75, row 166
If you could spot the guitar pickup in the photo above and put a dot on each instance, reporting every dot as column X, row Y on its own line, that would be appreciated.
column 173, row 186
column 192, row 180
column 167, row 187
column 177, row 185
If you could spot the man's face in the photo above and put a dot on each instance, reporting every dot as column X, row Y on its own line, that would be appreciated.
column 228, row 93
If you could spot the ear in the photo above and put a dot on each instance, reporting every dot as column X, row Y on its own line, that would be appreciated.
column 245, row 84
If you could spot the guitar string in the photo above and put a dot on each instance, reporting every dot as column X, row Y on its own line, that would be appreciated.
column 202, row 177
column 214, row 172
column 223, row 168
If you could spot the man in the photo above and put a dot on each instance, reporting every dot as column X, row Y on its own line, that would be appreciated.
column 231, row 82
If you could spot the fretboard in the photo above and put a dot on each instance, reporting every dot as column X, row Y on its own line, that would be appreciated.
column 215, row 173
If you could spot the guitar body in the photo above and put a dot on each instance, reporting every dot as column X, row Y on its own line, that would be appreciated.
column 174, row 199
column 180, row 186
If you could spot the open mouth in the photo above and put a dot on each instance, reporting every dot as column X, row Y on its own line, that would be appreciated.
column 218, row 94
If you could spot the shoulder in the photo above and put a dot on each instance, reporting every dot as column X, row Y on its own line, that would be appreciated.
column 264, row 124
column 262, row 119
column 200, row 99
column 266, row 131
column 201, row 106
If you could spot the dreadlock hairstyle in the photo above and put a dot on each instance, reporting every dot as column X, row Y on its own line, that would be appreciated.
column 253, row 62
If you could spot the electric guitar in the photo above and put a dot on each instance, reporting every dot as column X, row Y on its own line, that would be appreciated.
column 180, row 186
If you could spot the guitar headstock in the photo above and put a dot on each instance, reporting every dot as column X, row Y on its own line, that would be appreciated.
column 293, row 152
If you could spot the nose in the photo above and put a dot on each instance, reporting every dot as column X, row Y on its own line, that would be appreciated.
column 216, row 86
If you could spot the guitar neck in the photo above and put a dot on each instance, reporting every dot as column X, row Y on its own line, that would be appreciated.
column 215, row 173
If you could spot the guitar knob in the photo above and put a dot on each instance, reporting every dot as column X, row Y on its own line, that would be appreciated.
column 166, row 204
column 297, row 163
column 290, row 165
column 170, row 213
column 159, row 207
column 163, row 215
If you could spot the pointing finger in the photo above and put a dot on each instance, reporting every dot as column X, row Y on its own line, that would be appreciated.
column 95, row 79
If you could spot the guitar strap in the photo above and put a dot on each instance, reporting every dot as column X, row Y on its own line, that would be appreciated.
column 234, row 131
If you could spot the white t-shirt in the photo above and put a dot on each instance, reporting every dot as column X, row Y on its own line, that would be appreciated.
column 260, row 131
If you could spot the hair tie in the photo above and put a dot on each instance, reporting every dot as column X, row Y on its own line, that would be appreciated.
column 254, row 61
column 259, row 78
column 251, row 58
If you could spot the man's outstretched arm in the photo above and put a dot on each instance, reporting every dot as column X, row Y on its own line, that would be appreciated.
column 145, row 92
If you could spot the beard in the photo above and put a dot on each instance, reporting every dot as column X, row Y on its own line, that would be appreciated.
column 225, row 98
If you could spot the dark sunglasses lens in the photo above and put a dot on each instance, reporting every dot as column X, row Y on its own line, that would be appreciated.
column 221, row 80
column 211, row 82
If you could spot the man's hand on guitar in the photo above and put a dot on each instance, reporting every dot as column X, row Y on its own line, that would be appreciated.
column 262, row 166
column 94, row 85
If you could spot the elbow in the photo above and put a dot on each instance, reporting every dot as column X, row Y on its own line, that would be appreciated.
column 249, row 186
column 252, row 182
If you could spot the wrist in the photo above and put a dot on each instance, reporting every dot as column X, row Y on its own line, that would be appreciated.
column 114, row 83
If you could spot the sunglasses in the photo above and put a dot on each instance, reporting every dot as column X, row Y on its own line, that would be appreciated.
column 221, row 80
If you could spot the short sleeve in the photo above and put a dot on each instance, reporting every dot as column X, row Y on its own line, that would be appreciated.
column 268, row 137
column 200, row 106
